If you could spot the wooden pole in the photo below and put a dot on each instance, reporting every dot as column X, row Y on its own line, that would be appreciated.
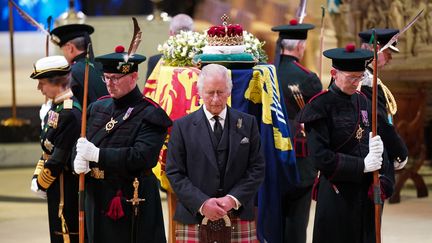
column 321, row 42
column 81, row 215
column 376, row 184
column 12, row 58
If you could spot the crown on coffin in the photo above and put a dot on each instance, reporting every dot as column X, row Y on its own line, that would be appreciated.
column 225, row 34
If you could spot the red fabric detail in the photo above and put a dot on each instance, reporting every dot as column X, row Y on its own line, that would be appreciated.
column 371, row 196
column 104, row 97
column 151, row 101
column 293, row 22
column 119, row 49
column 315, row 188
column 115, row 209
column 350, row 47
column 320, row 93
column 302, row 67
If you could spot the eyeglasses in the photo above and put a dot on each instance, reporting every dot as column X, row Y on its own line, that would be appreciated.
column 352, row 78
column 114, row 80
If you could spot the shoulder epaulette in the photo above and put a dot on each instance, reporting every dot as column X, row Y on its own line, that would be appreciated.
column 302, row 67
column 104, row 97
column 75, row 104
column 319, row 94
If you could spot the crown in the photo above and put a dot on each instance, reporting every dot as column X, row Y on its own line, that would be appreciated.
column 225, row 34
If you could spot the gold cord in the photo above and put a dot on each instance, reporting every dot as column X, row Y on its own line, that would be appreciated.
column 390, row 100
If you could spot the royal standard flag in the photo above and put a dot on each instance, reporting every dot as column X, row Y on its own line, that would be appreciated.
column 175, row 90
column 257, row 92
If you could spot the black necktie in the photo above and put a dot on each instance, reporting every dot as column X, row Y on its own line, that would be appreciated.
column 217, row 128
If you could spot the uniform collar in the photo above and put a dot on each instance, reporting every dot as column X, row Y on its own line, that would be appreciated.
column 129, row 99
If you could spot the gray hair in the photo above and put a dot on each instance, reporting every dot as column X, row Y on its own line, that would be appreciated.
column 181, row 22
column 213, row 70
column 290, row 44
column 79, row 43
column 62, row 80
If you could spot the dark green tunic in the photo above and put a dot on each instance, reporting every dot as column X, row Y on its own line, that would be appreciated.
column 57, row 140
column 296, row 203
column 344, row 211
column 130, row 149
column 96, row 87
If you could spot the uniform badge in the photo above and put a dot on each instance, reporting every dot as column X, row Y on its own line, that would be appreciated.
column 67, row 104
column 110, row 124
column 48, row 145
column 53, row 118
column 359, row 133
column 128, row 112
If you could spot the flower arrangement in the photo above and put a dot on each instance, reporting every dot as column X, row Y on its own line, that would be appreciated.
column 180, row 49
column 254, row 46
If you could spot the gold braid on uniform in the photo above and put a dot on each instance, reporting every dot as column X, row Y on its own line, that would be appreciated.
column 390, row 100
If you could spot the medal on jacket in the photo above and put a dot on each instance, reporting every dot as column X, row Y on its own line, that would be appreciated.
column 110, row 124
column 128, row 112
column 53, row 118
column 365, row 119
column 48, row 145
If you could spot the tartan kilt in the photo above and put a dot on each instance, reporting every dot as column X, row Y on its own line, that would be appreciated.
column 243, row 231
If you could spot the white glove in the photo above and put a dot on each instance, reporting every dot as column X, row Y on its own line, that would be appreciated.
column 372, row 162
column 400, row 165
column 87, row 150
column 35, row 189
column 44, row 110
column 375, row 145
column 81, row 165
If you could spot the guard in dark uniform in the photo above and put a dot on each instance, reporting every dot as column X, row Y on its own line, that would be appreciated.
column 53, row 177
column 125, row 134
column 298, row 85
column 338, row 125
column 73, row 40
column 387, row 107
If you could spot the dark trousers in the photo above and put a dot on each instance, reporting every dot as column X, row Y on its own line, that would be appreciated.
column 296, row 210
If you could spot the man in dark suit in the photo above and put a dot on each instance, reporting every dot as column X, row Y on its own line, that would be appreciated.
column 178, row 23
column 214, row 162
column 73, row 40
column 298, row 85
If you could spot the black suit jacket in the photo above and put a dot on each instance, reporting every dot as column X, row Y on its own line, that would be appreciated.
column 193, row 171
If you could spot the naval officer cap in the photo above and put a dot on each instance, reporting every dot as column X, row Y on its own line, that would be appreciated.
column 62, row 34
column 294, row 30
column 383, row 37
column 349, row 59
column 49, row 67
column 116, row 62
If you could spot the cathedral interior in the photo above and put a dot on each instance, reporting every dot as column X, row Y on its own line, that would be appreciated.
column 408, row 76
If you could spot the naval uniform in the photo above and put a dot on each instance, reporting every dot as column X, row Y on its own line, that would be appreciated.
column 130, row 132
column 337, row 127
column 61, row 130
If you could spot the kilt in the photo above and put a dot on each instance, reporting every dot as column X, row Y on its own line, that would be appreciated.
column 242, row 232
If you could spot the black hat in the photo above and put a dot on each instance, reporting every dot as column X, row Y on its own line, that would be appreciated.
column 349, row 58
column 116, row 62
column 293, row 30
column 65, row 33
column 49, row 67
column 383, row 37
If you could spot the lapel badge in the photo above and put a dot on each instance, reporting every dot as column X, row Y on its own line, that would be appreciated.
column 359, row 133
column 67, row 104
column 128, row 112
column 110, row 124
column 239, row 123
column 53, row 119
